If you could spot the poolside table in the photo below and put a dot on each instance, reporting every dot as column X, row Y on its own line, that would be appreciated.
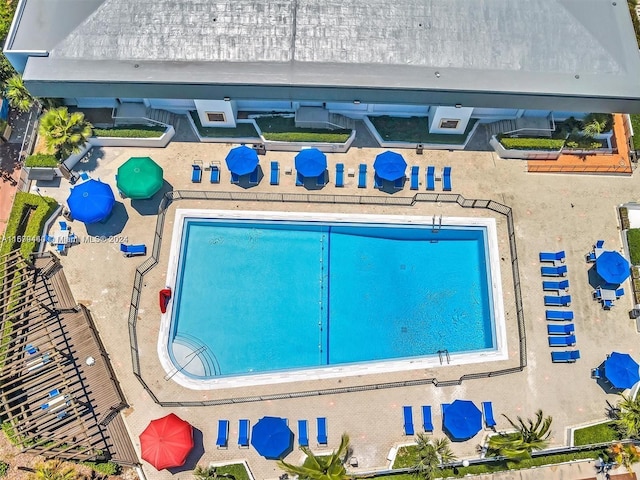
column 598, row 251
column 607, row 294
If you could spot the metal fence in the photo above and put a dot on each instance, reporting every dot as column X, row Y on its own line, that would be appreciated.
column 448, row 198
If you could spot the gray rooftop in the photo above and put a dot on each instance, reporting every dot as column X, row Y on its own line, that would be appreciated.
column 533, row 46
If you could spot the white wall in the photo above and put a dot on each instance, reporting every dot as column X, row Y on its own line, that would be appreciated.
column 227, row 108
column 438, row 115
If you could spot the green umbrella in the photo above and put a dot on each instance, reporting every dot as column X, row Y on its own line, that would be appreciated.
column 139, row 177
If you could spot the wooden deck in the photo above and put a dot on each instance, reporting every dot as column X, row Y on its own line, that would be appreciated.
column 618, row 163
column 60, row 404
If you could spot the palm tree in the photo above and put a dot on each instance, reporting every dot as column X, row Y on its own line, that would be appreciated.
column 17, row 94
column 628, row 417
column 321, row 468
column 64, row 133
column 625, row 455
column 53, row 470
column 210, row 473
column 596, row 123
column 433, row 453
column 529, row 436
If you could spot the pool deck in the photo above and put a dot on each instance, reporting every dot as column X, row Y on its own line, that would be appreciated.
column 551, row 212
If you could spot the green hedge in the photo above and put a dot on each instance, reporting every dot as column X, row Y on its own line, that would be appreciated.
column 633, row 239
column 106, row 468
column 25, row 237
column 307, row 137
column 635, row 124
column 41, row 160
column 283, row 129
column 531, row 143
column 241, row 130
column 131, row 131
column 600, row 433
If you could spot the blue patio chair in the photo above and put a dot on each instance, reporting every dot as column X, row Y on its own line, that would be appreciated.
column 322, row 430
column 243, row 433
column 235, row 178
column 223, row 434
column 599, row 244
column 415, row 172
column 431, row 177
column 196, row 173
column 399, row 183
column 253, row 177
column 559, row 315
column 215, row 174
column 54, row 393
column 362, row 175
column 377, row 181
column 596, row 373
column 30, row 349
column 552, row 256
column 275, row 173
column 564, row 329
column 562, row 341
column 303, row 433
column 556, row 300
column 597, row 294
column 446, row 179
column 62, row 415
column 299, row 180
column 61, row 248
column 63, row 225
column 560, row 271
column 607, row 304
column 407, row 412
column 487, row 413
column 619, row 292
column 133, row 250
column 84, row 176
column 590, row 257
column 566, row 356
column 553, row 285
column 321, row 180
column 48, row 239
column 427, row 423
column 340, row 175
column 73, row 238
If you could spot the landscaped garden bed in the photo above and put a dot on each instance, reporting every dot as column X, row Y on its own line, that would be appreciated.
column 283, row 129
column 531, row 143
column 416, row 130
column 130, row 131
column 41, row 160
column 635, row 125
column 633, row 239
column 241, row 130
column 599, row 433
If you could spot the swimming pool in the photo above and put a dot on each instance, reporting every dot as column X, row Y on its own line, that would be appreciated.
column 265, row 295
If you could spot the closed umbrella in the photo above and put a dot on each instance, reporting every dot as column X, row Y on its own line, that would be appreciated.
column 166, row 442
column 462, row 419
column 621, row 370
column 139, row 178
column 311, row 162
column 612, row 267
column 91, row 201
column 242, row 160
column 272, row 437
column 390, row 165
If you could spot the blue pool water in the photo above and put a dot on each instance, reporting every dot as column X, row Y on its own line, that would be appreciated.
column 265, row 296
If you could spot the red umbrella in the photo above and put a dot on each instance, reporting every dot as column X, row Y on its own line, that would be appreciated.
column 166, row 442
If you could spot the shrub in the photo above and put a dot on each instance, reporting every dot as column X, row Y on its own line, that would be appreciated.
column 105, row 468
column 523, row 143
column 131, row 131
column 596, row 123
column 241, row 130
column 4, row 468
column 283, row 129
column 635, row 125
column 41, row 160
column 307, row 137
column 633, row 239
column 600, row 433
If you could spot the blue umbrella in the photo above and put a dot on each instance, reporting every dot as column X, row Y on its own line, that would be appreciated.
column 390, row 165
column 311, row 162
column 271, row 437
column 462, row 419
column 621, row 370
column 242, row 160
column 91, row 201
column 612, row 267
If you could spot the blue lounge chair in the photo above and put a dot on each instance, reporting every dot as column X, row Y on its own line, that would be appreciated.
column 487, row 412
column 567, row 356
column 619, row 292
column 427, row 423
column 552, row 256
column 563, row 329
column 196, row 173
column 63, row 225
column 558, row 301
column 30, row 349
column 340, row 175
column 235, row 178
column 431, row 177
column 243, row 433
column 599, row 244
column 322, row 430
column 321, row 180
column 253, row 178
column 562, row 341
column 560, row 271
column 133, row 250
column 73, row 238
column 215, row 174
column 362, row 175
column 559, row 315
column 299, row 180
column 553, row 285
column 399, row 183
column 275, row 173
column 223, row 433
column 408, row 420
column 590, row 257
column 377, row 181
column 61, row 248
column 303, row 433
column 446, row 179
column 415, row 171
column 54, row 393
column 607, row 304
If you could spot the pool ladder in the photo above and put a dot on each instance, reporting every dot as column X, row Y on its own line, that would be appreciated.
column 444, row 354
column 435, row 227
